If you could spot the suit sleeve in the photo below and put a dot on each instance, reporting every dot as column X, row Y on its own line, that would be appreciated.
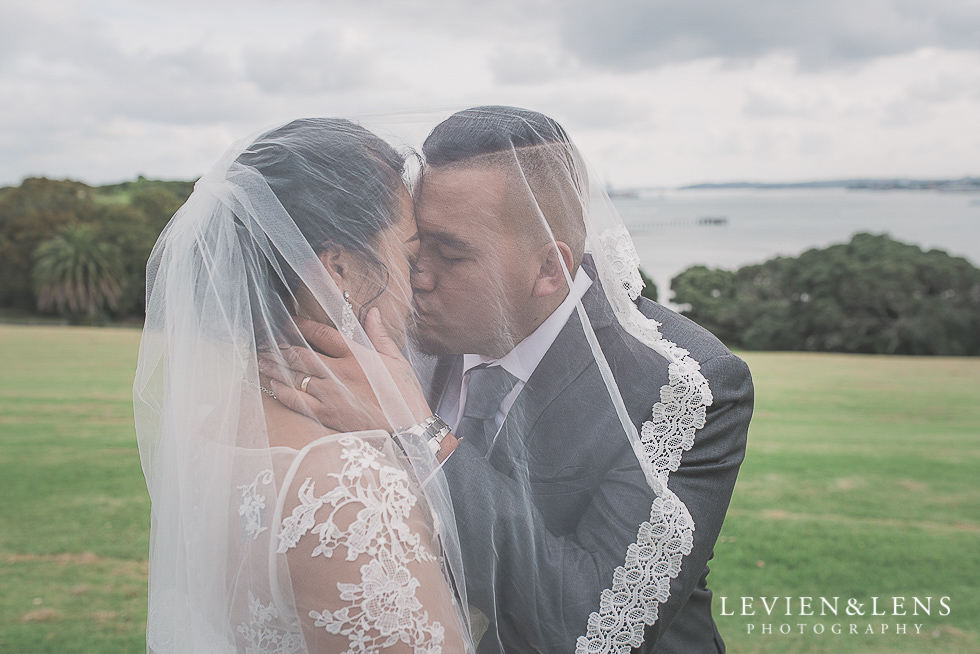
column 704, row 482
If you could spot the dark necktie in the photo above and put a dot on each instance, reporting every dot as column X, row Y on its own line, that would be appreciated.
column 486, row 390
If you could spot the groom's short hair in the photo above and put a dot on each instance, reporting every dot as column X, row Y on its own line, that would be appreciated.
column 529, row 147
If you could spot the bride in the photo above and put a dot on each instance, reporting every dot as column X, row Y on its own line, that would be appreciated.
column 269, row 531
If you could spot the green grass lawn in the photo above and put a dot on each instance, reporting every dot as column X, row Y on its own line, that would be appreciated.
column 860, row 481
column 74, row 509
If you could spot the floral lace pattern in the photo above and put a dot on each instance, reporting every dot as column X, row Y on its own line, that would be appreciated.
column 252, row 507
column 622, row 259
column 261, row 637
column 643, row 581
column 383, row 608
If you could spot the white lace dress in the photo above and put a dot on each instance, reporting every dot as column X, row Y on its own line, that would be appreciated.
column 338, row 554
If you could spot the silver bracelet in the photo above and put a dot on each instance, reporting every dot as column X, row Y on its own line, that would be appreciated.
column 432, row 430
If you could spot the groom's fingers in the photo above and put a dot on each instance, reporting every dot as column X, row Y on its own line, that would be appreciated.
column 323, row 337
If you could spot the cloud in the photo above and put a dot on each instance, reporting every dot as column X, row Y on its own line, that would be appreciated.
column 75, row 72
column 534, row 64
column 82, row 108
column 774, row 102
column 945, row 87
column 609, row 110
column 87, row 92
column 321, row 63
column 655, row 91
column 632, row 34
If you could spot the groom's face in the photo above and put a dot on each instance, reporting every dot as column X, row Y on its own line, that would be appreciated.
column 475, row 274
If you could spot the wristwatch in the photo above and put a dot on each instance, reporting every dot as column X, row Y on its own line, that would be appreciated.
column 432, row 430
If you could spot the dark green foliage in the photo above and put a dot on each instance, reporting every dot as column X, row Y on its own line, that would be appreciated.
column 872, row 295
column 649, row 288
column 29, row 215
column 133, row 233
column 125, row 218
column 77, row 274
column 707, row 295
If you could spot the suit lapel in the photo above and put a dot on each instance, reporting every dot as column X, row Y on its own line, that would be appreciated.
column 435, row 386
column 567, row 358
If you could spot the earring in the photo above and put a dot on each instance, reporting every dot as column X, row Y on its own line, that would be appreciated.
column 348, row 321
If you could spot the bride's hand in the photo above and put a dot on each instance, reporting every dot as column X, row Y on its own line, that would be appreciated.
column 338, row 394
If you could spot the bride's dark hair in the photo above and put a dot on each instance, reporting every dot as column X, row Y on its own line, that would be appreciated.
column 339, row 183
column 331, row 176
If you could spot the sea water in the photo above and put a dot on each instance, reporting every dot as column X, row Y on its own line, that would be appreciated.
column 676, row 229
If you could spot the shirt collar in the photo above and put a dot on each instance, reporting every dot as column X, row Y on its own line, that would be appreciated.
column 526, row 355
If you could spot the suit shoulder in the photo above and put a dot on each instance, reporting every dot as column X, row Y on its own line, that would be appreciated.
column 684, row 332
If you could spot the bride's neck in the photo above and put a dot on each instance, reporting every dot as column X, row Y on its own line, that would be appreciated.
column 287, row 428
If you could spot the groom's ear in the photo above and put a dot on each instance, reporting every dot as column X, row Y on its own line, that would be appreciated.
column 556, row 258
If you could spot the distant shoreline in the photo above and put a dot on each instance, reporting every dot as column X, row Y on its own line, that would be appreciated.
column 961, row 185
column 965, row 184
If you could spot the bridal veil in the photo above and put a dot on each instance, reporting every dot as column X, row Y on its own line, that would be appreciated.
column 270, row 532
column 554, row 518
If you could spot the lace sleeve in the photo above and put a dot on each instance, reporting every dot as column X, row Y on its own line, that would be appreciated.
column 362, row 555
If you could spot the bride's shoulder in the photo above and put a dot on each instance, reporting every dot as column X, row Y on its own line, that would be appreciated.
column 358, row 468
column 356, row 492
column 351, row 453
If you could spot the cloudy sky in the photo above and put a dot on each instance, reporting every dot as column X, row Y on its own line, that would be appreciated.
column 656, row 92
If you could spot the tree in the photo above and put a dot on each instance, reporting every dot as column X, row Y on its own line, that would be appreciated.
column 880, row 296
column 29, row 215
column 871, row 295
column 129, row 231
column 77, row 274
column 706, row 297
column 649, row 288
column 764, row 305
column 158, row 204
column 127, row 216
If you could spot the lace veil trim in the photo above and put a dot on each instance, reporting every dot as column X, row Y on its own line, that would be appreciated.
column 643, row 581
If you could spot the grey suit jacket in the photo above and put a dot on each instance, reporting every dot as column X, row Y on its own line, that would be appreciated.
column 547, row 515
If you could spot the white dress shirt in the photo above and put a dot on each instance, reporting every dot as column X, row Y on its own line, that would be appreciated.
column 520, row 362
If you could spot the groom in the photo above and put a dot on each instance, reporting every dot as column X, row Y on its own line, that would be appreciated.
column 555, row 497
column 549, row 494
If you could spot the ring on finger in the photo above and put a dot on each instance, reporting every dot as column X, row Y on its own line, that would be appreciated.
column 305, row 383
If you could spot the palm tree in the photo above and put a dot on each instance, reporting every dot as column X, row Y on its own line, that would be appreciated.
column 76, row 273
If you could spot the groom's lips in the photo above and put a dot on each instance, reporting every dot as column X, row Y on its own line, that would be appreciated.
column 421, row 315
column 428, row 321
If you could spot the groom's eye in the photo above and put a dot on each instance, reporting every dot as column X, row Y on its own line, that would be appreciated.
column 449, row 257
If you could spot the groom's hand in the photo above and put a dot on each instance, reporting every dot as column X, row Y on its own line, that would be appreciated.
column 338, row 393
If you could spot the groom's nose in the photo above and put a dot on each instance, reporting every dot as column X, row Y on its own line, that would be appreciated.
column 422, row 280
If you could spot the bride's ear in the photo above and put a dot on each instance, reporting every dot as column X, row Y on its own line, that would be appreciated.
column 334, row 259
